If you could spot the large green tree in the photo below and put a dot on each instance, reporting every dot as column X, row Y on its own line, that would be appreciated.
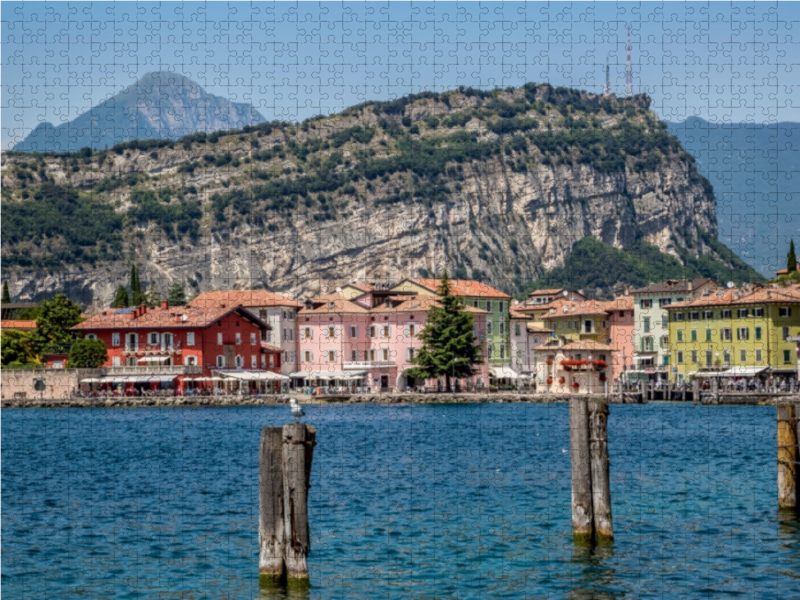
column 177, row 294
column 16, row 348
column 791, row 258
column 137, row 297
column 120, row 298
column 6, row 295
column 87, row 354
column 53, row 324
column 448, row 345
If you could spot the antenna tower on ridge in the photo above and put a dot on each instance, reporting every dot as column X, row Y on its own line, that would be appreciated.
column 628, row 71
column 607, row 89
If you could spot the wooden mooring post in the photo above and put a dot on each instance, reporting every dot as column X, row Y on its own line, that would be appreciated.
column 787, row 455
column 285, row 457
column 591, row 489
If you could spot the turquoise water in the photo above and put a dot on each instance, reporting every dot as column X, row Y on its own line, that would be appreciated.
column 425, row 501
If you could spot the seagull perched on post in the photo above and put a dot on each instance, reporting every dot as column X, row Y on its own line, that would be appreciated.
column 297, row 410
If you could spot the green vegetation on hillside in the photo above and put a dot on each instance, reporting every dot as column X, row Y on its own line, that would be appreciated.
column 601, row 270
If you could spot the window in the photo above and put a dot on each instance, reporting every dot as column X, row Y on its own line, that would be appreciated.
column 488, row 328
column 501, row 306
column 253, row 361
column 743, row 355
column 221, row 361
column 272, row 361
column 372, row 331
column 253, row 340
column 219, row 338
column 664, row 302
column 708, row 335
column 490, row 350
column 741, row 313
column 588, row 326
column 307, row 357
column 475, row 304
column 577, row 326
column 725, row 314
column 331, row 354
column 785, row 333
column 694, row 335
column 502, row 350
column 694, row 357
column 664, row 341
column 646, row 324
column 264, row 361
column 412, row 330
column 759, row 355
column 91, row 336
column 115, row 361
column 569, row 324
column 758, row 312
column 191, row 361
column 758, row 333
column 115, row 339
column 680, row 335
column 516, row 329
column 152, row 338
column 369, row 355
column 709, row 358
column 784, row 311
column 694, row 315
column 502, row 327
column 58, row 364
column 680, row 357
column 238, row 338
column 647, row 344
column 664, row 320
column 726, row 356
column 308, row 333
column 489, row 305
column 645, row 303
column 353, row 331
column 787, row 356
column 190, row 338
column 725, row 334
column 385, row 353
column 385, row 331
column 605, row 324
column 331, row 332
column 743, row 333
column 262, row 314
column 678, row 316
column 354, row 355
column 239, row 361
column 708, row 315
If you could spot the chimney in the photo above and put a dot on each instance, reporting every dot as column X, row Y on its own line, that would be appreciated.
column 134, row 313
column 689, row 285
column 164, row 304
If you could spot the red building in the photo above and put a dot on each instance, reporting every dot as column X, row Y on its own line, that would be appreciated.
column 165, row 345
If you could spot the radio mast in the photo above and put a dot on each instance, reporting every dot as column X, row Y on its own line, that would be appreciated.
column 607, row 89
column 628, row 71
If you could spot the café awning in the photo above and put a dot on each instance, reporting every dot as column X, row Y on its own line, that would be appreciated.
column 255, row 376
column 503, row 372
column 742, row 372
column 154, row 359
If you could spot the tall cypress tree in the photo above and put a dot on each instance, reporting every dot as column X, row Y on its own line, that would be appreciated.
column 448, row 346
column 6, row 295
column 791, row 259
column 137, row 297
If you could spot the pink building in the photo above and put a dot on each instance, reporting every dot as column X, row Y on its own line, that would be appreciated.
column 621, row 329
column 368, row 340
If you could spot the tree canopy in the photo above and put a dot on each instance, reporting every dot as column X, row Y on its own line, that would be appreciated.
column 56, row 317
column 6, row 295
column 120, row 298
column 16, row 348
column 87, row 354
column 177, row 294
column 791, row 258
column 448, row 342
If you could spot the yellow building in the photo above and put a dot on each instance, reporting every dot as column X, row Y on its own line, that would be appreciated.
column 576, row 320
column 740, row 332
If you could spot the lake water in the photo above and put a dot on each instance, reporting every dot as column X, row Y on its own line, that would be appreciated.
column 423, row 501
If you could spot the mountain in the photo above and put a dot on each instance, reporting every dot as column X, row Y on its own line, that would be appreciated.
column 161, row 105
column 755, row 171
column 499, row 186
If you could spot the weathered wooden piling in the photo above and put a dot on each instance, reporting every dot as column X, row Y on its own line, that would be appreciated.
column 580, row 462
column 298, row 441
column 271, row 538
column 787, row 455
column 601, row 484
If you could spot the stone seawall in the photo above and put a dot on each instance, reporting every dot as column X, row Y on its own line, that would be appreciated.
column 389, row 398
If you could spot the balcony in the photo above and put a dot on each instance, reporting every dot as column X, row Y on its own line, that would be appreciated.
column 154, row 370
column 367, row 364
column 151, row 349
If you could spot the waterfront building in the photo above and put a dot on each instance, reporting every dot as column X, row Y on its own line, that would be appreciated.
column 578, row 320
column 539, row 297
column 621, row 326
column 743, row 332
column 368, row 340
column 524, row 338
column 277, row 310
column 651, row 331
column 483, row 297
column 569, row 366
column 164, row 345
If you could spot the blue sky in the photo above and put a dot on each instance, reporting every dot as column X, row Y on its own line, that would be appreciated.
column 721, row 61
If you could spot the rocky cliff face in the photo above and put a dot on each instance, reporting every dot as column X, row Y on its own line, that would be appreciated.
column 299, row 210
column 161, row 105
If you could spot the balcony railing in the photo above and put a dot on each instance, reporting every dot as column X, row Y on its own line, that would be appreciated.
column 367, row 364
column 151, row 349
column 154, row 370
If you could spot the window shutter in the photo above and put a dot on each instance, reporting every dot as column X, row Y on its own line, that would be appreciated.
column 408, row 354
column 407, row 332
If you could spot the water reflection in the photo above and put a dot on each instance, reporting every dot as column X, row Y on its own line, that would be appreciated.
column 284, row 593
column 595, row 578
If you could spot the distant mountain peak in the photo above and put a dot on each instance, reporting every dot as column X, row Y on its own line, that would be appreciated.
column 159, row 105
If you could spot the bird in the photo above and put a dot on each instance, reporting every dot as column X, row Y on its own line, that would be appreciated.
column 297, row 410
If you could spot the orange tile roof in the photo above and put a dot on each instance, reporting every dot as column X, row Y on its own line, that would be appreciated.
column 332, row 304
column 17, row 324
column 620, row 303
column 534, row 329
column 737, row 297
column 270, row 348
column 545, row 292
column 160, row 318
column 785, row 271
column 364, row 287
column 248, row 298
column 574, row 308
column 464, row 287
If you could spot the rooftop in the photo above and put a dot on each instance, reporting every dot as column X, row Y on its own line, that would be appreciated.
column 740, row 296
column 462, row 287
column 17, row 324
column 176, row 317
column 246, row 298
column 674, row 285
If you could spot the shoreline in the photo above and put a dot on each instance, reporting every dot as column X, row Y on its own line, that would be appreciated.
column 387, row 398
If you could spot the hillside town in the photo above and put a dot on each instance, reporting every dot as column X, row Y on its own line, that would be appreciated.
column 366, row 337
